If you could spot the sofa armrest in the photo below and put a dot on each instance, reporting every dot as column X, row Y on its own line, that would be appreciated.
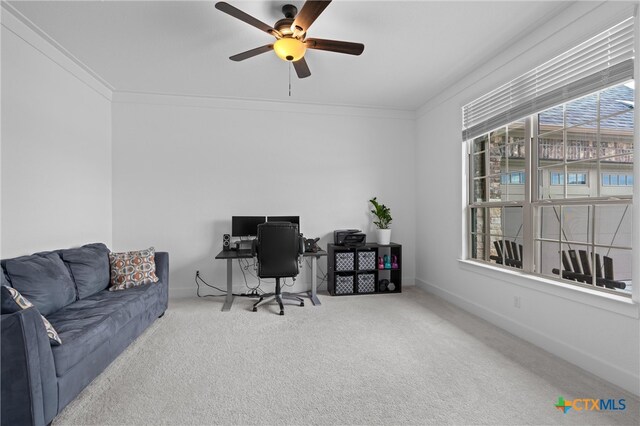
column 162, row 266
column 29, row 386
column 162, row 272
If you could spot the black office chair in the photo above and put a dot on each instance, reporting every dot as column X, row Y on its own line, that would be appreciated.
column 278, row 248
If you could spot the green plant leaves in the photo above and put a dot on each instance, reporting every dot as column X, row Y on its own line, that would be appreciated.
column 382, row 212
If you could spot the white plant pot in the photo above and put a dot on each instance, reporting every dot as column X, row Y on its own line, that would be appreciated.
column 383, row 236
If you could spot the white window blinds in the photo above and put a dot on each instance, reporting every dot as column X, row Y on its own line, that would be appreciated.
column 601, row 61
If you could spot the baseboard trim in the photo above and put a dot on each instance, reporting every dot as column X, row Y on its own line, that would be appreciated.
column 610, row 372
column 181, row 292
column 187, row 292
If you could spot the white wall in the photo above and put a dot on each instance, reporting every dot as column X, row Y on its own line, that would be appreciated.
column 184, row 166
column 56, row 148
column 597, row 333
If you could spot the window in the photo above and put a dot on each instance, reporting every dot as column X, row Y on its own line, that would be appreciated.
column 550, row 194
column 498, row 160
column 614, row 179
column 515, row 178
column 585, row 227
column 572, row 178
column 577, row 231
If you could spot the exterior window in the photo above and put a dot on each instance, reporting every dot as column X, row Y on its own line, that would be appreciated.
column 556, row 218
column 572, row 178
column 515, row 178
column 613, row 179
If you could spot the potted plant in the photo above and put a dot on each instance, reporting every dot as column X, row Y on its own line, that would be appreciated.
column 383, row 214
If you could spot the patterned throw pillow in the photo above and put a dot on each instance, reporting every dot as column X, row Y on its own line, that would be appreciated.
column 13, row 301
column 132, row 269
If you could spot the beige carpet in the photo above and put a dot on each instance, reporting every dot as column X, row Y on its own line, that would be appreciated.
column 407, row 358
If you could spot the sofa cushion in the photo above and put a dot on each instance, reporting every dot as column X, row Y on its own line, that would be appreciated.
column 132, row 268
column 43, row 279
column 13, row 301
column 89, row 266
column 88, row 323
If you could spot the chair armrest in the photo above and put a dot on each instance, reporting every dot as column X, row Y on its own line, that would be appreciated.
column 29, row 386
column 254, row 247
column 588, row 279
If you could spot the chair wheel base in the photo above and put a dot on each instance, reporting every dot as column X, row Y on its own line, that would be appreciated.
column 255, row 309
column 301, row 303
column 281, row 312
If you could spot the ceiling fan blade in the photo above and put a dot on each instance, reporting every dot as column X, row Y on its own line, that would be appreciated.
column 309, row 13
column 245, row 17
column 334, row 46
column 302, row 69
column 251, row 53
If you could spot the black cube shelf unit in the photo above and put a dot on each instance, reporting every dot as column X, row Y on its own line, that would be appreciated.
column 355, row 270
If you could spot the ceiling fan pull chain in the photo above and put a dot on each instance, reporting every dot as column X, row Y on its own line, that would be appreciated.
column 290, row 79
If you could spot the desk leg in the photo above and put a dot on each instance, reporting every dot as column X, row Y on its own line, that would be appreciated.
column 229, row 299
column 314, row 281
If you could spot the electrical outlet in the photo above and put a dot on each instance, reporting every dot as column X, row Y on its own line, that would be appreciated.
column 516, row 302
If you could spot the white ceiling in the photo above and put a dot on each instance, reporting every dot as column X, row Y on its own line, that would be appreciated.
column 413, row 49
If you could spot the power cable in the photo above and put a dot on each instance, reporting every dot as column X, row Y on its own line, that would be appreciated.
column 199, row 279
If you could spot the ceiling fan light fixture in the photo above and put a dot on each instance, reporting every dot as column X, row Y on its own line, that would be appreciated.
column 291, row 35
column 289, row 49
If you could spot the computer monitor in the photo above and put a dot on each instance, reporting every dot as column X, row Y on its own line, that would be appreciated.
column 245, row 226
column 292, row 219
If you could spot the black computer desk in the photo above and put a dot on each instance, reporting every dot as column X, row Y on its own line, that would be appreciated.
column 231, row 255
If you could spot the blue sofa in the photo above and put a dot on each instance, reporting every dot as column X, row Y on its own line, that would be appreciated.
column 69, row 288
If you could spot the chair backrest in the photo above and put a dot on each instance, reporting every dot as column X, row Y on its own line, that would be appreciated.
column 277, row 247
column 508, row 253
column 586, row 263
column 574, row 261
column 608, row 268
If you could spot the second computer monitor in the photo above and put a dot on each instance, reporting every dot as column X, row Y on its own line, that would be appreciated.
column 292, row 219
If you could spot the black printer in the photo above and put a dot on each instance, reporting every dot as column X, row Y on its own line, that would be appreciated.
column 349, row 237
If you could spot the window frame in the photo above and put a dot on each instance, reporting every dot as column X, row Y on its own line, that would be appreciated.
column 495, row 204
column 533, row 203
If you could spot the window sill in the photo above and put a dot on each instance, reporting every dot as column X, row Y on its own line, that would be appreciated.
column 610, row 302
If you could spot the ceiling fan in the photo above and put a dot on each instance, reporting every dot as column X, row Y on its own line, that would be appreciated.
column 291, row 35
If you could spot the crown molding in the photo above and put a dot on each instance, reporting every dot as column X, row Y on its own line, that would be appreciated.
column 30, row 33
column 193, row 101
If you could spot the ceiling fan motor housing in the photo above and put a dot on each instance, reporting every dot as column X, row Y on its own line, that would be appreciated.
column 284, row 26
column 288, row 47
column 289, row 11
